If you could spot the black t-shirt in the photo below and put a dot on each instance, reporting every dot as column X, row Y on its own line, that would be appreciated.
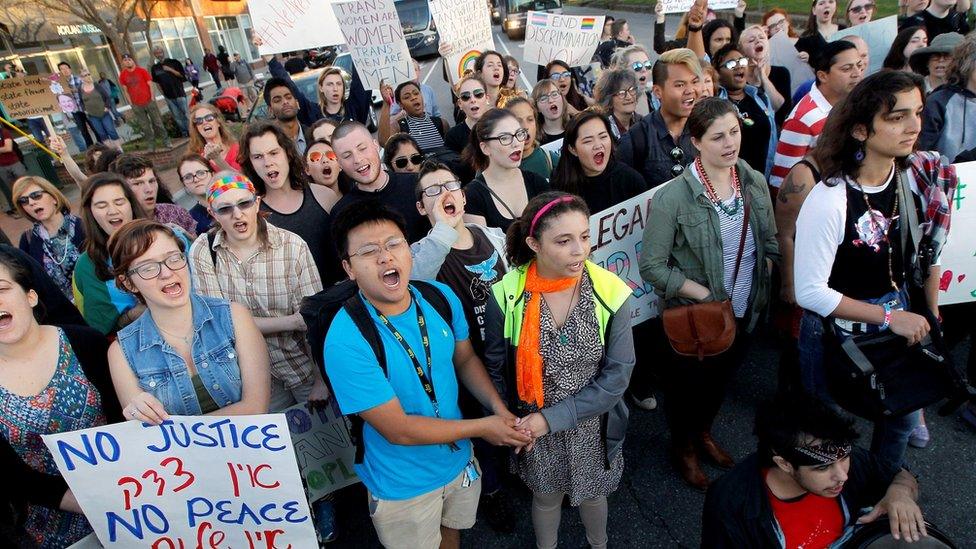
column 550, row 137
column 399, row 195
column 457, row 137
column 755, row 137
column 617, row 183
column 171, row 84
column 780, row 78
column 480, row 201
column 470, row 273
column 934, row 26
column 814, row 43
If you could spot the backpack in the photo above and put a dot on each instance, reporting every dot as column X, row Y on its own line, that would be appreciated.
column 320, row 309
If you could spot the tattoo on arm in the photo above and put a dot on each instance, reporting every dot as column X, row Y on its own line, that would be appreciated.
column 789, row 187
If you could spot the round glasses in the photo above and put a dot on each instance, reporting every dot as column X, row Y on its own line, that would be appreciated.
column 560, row 75
column 315, row 156
column 631, row 91
column 193, row 176
column 551, row 96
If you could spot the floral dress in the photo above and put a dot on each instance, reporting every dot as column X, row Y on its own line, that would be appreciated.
column 69, row 402
column 60, row 252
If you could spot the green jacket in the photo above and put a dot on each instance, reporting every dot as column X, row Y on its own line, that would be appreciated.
column 682, row 240
column 603, row 395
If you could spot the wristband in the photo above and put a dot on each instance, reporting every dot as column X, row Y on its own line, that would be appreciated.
column 695, row 29
column 887, row 317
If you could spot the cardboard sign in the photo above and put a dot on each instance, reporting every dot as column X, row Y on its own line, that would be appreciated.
column 782, row 53
column 323, row 448
column 375, row 38
column 958, row 284
column 466, row 26
column 569, row 38
column 681, row 6
column 291, row 25
column 215, row 481
column 878, row 35
column 617, row 234
column 28, row 97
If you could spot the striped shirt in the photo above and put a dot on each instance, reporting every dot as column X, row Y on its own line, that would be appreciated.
column 425, row 133
column 800, row 132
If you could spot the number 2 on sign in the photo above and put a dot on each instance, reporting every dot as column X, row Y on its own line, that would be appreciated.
column 151, row 474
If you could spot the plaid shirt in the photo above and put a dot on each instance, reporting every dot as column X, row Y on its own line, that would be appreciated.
column 75, row 82
column 271, row 283
column 937, row 182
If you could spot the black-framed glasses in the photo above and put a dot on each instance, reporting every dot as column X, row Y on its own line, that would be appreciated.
column 560, row 75
column 862, row 8
column 437, row 188
column 26, row 199
column 631, row 91
column 193, row 176
column 370, row 251
column 477, row 93
column 645, row 66
column 204, row 119
column 551, row 96
column 506, row 138
column 401, row 162
column 152, row 269
column 228, row 209
column 731, row 64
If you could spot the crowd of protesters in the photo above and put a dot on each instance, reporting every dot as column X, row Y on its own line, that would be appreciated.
column 476, row 345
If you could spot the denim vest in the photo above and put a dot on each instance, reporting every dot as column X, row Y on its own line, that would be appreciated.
column 162, row 372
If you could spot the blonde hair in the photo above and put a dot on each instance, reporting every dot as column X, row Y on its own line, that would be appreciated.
column 20, row 188
column 677, row 56
column 318, row 89
column 197, row 142
column 619, row 59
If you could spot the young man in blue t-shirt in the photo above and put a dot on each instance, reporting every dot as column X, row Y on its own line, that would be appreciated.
column 422, row 478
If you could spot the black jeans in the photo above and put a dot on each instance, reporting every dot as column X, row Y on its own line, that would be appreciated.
column 650, row 344
column 81, row 120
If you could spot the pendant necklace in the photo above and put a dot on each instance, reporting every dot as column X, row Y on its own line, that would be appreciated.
column 187, row 340
column 563, row 338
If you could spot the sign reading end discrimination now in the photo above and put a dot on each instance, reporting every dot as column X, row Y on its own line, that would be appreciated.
column 28, row 97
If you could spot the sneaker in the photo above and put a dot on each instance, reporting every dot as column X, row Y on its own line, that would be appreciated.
column 324, row 512
column 498, row 512
column 919, row 437
column 649, row 403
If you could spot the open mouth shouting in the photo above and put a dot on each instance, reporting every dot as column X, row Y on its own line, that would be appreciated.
column 474, row 110
column 327, row 170
column 516, row 156
column 599, row 158
column 115, row 222
column 554, row 110
column 173, row 289
column 391, row 279
column 6, row 319
column 208, row 130
column 575, row 267
column 450, row 208
column 272, row 177
column 240, row 227
column 38, row 212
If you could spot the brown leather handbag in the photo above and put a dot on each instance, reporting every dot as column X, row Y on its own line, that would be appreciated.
column 706, row 329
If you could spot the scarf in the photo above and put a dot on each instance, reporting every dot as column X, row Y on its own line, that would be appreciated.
column 937, row 183
column 528, row 359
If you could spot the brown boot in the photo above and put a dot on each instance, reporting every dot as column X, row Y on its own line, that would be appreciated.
column 686, row 463
column 714, row 453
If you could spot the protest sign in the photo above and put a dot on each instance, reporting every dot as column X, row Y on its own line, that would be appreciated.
column 28, row 97
column 681, row 6
column 878, row 35
column 466, row 26
column 324, row 451
column 783, row 54
column 958, row 283
column 616, row 234
column 572, row 39
column 375, row 38
column 87, row 542
column 215, row 481
column 290, row 25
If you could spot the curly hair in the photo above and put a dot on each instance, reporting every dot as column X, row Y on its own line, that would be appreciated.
column 296, row 164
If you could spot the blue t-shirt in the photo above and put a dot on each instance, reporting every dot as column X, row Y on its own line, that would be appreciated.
column 392, row 471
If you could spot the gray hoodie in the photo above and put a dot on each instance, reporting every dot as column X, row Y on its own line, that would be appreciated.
column 429, row 252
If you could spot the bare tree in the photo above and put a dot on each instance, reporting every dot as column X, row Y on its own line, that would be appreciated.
column 23, row 23
column 114, row 18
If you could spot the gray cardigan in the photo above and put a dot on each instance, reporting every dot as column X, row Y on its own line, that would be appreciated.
column 430, row 251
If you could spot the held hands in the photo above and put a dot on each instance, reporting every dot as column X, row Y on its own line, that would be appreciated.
column 536, row 425
column 501, row 430
column 145, row 408
column 911, row 326
column 904, row 515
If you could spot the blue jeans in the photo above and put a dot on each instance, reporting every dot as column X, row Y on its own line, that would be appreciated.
column 890, row 438
column 177, row 106
column 810, row 345
column 104, row 127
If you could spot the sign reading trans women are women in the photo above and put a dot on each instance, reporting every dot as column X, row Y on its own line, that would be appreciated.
column 200, row 481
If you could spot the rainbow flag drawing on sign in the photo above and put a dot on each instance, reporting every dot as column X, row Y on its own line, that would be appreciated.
column 540, row 19
column 587, row 23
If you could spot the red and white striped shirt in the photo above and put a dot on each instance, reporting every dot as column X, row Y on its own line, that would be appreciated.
column 799, row 134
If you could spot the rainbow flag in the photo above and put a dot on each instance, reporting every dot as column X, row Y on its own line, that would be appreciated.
column 540, row 19
column 587, row 23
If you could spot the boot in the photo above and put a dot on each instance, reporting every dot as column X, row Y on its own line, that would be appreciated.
column 714, row 453
column 686, row 463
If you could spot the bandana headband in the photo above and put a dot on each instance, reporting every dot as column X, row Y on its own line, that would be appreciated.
column 228, row 183
column 820, row 454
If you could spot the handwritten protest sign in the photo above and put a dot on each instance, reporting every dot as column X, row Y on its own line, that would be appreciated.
column 466, row 26
column 681, row 6
column 783, row 54
column 958, row 284
column 375, row 37
column 290, row 25
column 617, row 234
column 28, row 97
column 569, row 38
column 878, row 35
column 323, row 448
column 215, row 481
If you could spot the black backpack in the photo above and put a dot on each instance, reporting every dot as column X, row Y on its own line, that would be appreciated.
column 320, row 309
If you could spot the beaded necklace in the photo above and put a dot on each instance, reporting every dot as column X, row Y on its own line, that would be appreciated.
column 713, row 196
column 896, row 180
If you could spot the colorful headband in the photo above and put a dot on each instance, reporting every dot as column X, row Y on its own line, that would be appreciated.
column 226, row 183
column 542, row 211
column 820, row 454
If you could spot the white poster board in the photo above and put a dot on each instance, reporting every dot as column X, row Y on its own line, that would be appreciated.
column 192, row 478
column 958, row 284
column 290, row 25
column 782, row 53
column 572, row 39
column 617, row 234
column 466, row 26
column 323, row 448
column 375, row 38
column 878, row 35
column 681, row 6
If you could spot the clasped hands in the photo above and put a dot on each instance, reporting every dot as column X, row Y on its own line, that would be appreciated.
column 505, row 429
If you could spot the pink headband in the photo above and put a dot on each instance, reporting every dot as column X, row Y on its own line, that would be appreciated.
column 542, row 211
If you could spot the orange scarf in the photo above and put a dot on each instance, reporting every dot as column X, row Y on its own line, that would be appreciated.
column 528, row 360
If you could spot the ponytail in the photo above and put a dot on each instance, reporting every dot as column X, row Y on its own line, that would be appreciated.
column 535, row 219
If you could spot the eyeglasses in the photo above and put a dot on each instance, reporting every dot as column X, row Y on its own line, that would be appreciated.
column 204, row 119
column 506, row 138
column 560, row 75
column 731, row 64
column 466, row 96
column 152, row 269
column 551, row 96
column 315, row 156
column 193, row 176
column 25, row 199
column 862, row 8
column 645, row 66
column 632, row 91
column 437, row 188
column 678, row 156
column 370, row 251
column 401, row 162
column 228, row 210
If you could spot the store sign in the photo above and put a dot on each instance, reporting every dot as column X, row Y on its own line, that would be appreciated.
column 28, row 97
column 75, row 30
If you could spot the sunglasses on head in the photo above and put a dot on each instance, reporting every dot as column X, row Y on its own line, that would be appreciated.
column 315, row 156
column 477, row 94
column 228, row 209
column 645, row 66
column 25, row 199
column 401, row 162
column 731, row 64
column 560, row 75
column 204, row 119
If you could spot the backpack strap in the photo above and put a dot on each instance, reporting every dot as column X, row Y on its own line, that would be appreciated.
column 211, row 238
column 437, row 300
column 440, row 124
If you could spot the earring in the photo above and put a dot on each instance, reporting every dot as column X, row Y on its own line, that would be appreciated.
column 859, row 155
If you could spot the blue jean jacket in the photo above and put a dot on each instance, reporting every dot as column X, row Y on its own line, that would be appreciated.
column 763, row 101
column 162, row 372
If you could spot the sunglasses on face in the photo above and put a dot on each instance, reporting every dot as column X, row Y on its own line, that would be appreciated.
column 466, row 96
column 862, row 8
column 506, row 138
column 152, row 269
column 631, row 91
column 193, row 176
column 731, row 64
column 228, row 209
column 560, row 75
column 315, row 156
column 438, row 188
column 204, row 119
column 645, row 66
column 551, row 96
column 35, row 196
column 401, row 161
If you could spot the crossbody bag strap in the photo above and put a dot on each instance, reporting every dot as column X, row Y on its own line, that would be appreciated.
column 500, row 201
column 746, row 203
column 911, row 227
